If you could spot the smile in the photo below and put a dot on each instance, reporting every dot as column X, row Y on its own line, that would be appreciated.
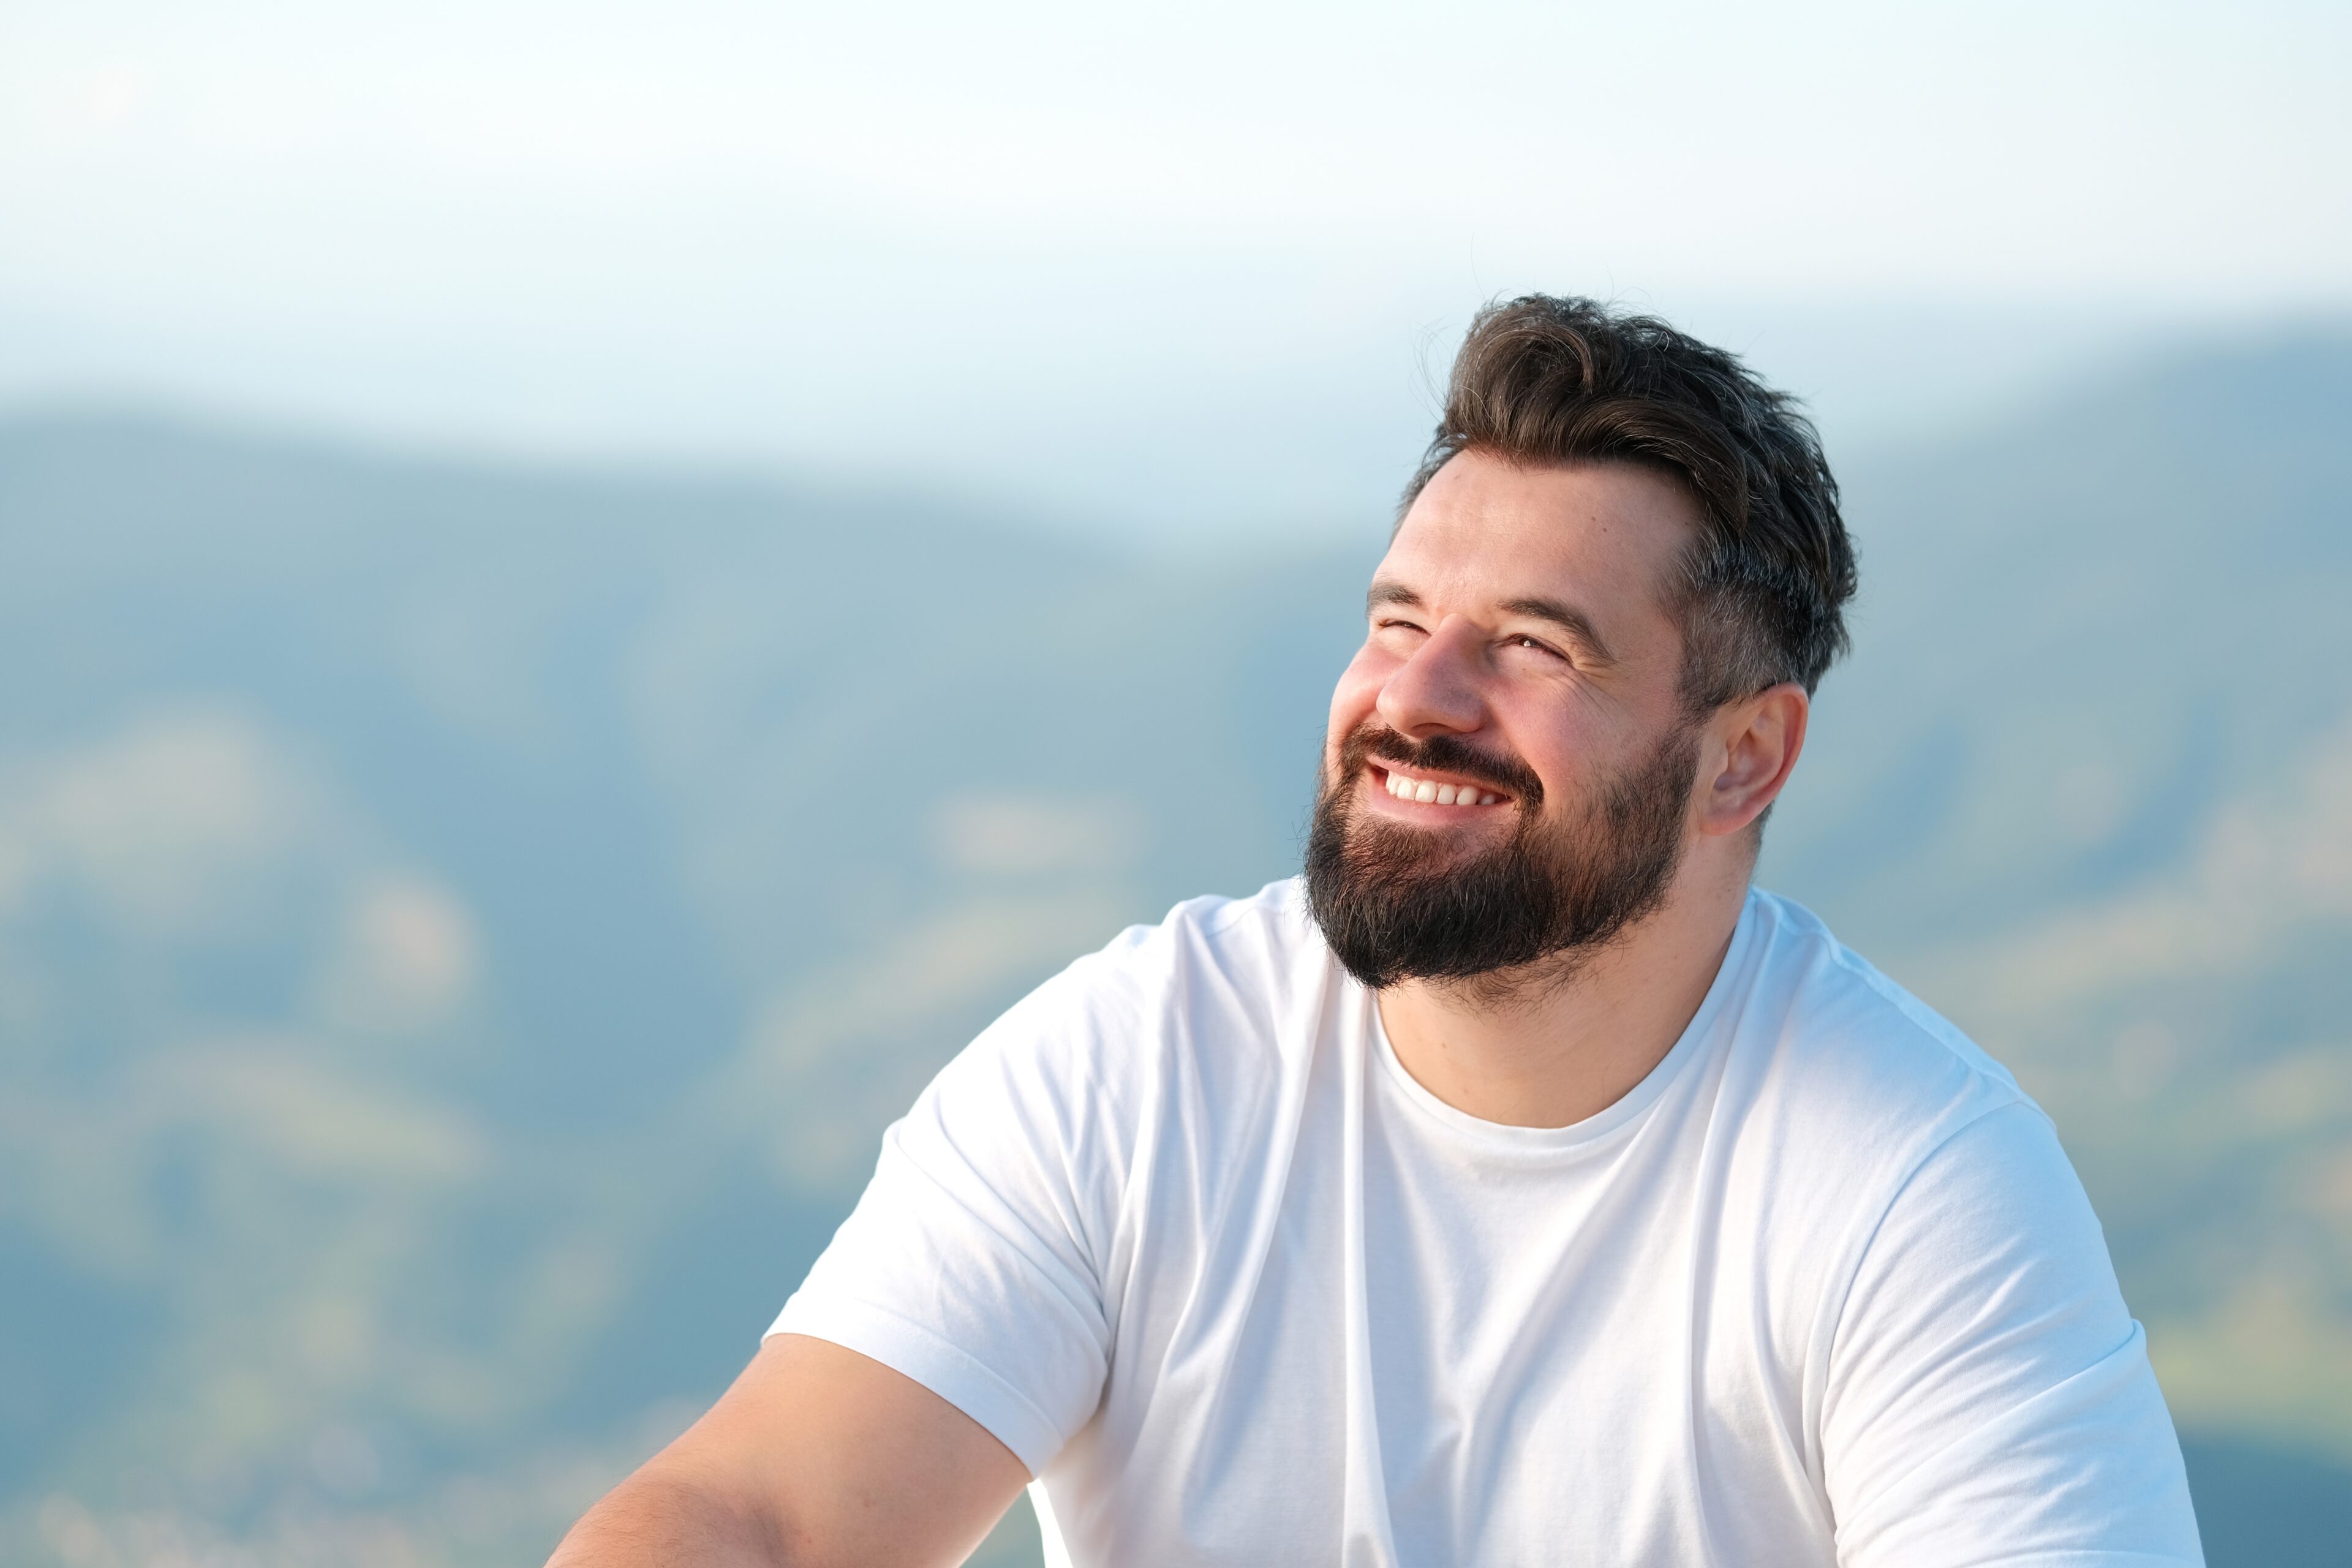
column 1431, row 792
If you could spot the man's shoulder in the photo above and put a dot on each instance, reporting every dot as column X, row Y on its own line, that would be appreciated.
column 1842, row 993
column 1246, row 950
column 1217, row 976
column 1848, row 1062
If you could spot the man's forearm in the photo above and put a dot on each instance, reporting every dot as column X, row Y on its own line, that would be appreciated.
column 659, row 1517
column 816, row 1458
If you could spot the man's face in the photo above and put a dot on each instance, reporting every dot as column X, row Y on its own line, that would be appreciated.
column 1509, row 772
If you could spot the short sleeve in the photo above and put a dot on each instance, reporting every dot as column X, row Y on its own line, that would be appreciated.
column 973, row 1262
column 1990, row 1399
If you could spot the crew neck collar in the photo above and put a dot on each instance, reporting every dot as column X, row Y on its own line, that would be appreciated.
column 1505, row 1138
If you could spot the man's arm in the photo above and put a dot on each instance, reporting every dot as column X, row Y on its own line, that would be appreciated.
column 816, row 1457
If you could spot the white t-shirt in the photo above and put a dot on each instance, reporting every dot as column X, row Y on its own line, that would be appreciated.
column 1181, row 1231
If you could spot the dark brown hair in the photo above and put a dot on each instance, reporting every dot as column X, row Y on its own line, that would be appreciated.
column 1760, row 596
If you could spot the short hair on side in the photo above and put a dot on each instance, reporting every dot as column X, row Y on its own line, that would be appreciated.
column 1760, row 596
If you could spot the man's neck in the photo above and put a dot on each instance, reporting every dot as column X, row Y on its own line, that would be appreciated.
column 1553, row 1047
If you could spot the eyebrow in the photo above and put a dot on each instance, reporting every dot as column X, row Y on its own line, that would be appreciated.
column 1553, row 612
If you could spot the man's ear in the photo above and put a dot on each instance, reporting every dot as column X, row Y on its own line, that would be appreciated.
column 1757, row 741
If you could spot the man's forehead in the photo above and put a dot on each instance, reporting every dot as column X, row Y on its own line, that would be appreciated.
column 1485, row 533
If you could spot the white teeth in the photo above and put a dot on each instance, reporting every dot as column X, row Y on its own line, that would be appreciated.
column 1404, row 788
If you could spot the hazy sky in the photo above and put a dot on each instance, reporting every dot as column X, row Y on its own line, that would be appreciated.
column 1181, row 264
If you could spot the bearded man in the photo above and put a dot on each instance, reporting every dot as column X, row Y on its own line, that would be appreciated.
column 1518, row 1186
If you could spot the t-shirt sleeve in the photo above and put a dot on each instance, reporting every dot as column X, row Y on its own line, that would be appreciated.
column 1990, row 1400
column 973, row 1262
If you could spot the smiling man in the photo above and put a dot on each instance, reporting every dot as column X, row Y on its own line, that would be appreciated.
column 1519, row 1185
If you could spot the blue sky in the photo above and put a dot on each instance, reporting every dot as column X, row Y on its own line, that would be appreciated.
column 1172, row 267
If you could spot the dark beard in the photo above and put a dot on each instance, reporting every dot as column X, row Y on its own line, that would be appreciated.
column 1399, row 903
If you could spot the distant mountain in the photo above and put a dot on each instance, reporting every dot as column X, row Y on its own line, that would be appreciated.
column 462, row 930
column 2080, row 632
column 462, row 927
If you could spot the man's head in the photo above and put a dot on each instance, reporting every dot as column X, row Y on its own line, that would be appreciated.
column 1619, row 575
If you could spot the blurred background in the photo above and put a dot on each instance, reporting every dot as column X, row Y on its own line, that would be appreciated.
column 586, row 590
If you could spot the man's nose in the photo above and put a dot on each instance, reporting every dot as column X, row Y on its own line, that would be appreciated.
column 1438, row 688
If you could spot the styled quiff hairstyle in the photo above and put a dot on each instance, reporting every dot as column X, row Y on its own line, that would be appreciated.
column 1760, row 594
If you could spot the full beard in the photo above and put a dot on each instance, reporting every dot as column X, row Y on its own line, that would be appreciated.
column 1398, row 902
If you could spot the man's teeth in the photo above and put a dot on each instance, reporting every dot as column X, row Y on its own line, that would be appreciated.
column 1405, row 788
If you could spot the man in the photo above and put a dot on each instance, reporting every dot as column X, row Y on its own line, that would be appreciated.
column 1519, row 1186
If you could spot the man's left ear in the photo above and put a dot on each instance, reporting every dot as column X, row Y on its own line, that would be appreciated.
column 1760, row 739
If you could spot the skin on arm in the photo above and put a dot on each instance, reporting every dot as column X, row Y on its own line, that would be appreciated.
column 816, row 1457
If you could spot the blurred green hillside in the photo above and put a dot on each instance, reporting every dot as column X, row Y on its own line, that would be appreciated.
column 463, row 928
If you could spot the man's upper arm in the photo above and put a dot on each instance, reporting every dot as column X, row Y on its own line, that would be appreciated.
column 944, row 1346
column 1989, row 1398
column 973, row 1262
column 831, row 1458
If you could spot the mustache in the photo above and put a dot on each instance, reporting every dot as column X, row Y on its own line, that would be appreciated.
column 1440, row 754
